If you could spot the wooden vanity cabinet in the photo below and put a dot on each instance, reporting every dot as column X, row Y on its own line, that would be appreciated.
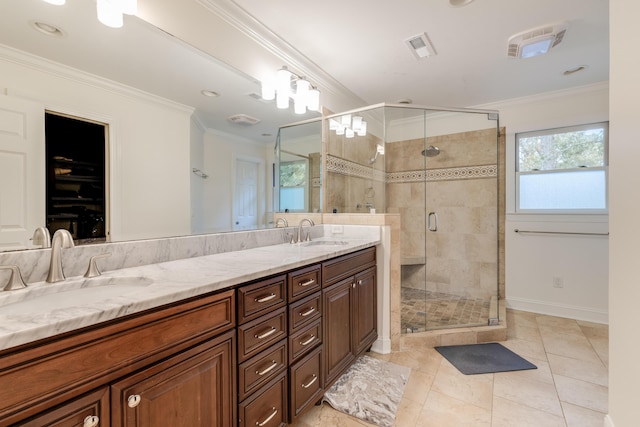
column 349, row 304
column 179, row 352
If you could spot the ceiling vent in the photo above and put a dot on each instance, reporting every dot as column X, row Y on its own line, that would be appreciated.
column 243, row 120
column 420, row 46
column 536, row 41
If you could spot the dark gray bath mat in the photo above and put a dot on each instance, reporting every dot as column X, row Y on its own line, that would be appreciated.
column 484, row 358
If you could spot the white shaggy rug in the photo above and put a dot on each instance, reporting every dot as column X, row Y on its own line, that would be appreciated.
column 370, row 390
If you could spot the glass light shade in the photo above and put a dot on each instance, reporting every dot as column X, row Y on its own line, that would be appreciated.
column 302, row 89
column 268, row 92
column 356, row 123
column 56, row 2
column 282, row 99
column 349, row 133
column 333, row 124
column 283, row 80
column 129, row 7
column 346, row 120
column 109, row 14
column 340, row 130
column 299, row 105
column 313, row 100
column 363, row 129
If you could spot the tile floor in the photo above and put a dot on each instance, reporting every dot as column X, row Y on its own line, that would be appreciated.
column 569, row 388
column 444, row 310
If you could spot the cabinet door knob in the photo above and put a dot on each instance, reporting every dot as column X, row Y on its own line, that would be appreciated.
column 134, row 400
column 91, row 421
column 353, row 285
column 269, row 418
column 360, row 282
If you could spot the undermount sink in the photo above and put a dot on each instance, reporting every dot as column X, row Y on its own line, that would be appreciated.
column 325, row 243
column 70, row 294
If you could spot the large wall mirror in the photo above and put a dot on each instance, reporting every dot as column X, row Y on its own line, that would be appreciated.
column 184, row 131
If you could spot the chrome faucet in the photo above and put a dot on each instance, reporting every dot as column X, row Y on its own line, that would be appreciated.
column 283, row 221
column 61, row 239
column 302, row 221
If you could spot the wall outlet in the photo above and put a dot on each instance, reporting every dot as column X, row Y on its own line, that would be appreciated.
column 337, row 229
column 558, row 282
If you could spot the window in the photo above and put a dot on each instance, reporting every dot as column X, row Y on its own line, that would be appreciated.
column 293, row 184
column 562, row 170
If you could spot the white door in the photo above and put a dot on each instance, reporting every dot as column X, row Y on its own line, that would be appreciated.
column 22, row 171
column 246, row 197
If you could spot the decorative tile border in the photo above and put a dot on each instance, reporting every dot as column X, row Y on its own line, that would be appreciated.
column 349, row 168
column 444, row 174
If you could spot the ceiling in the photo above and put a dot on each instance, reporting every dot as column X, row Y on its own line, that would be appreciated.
column 354, row 51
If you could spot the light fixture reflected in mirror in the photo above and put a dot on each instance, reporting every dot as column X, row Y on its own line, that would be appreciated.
column 288, row 85
column 110, row 12
column 349, row 126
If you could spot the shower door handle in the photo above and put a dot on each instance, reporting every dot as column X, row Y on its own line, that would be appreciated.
column 432, row 225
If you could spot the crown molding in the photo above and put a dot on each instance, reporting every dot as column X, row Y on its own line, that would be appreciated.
column 240, row 19
column 59, row 70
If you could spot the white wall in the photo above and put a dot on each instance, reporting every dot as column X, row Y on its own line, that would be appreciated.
column 149, row 141
column 624, row 153
column 533, row 261
column 220, row 153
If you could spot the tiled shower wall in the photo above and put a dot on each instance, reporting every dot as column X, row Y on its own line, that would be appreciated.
column 460, row 185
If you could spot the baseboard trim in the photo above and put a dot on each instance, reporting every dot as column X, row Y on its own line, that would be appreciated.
column 382, row 346
column 560, row 310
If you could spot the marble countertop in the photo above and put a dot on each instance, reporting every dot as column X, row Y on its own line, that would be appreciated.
column 43, row 309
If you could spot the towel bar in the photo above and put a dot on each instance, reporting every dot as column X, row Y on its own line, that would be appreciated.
column 561, row 232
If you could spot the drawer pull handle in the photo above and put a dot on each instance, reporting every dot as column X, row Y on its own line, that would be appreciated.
column 310, row 383
column 269, row 418
column 308, row 340
column 266, row 298
column 268, row 369
column 307, row 283
column 308, row 312
column 266, row 334
column 133, row 400
column 91, row 421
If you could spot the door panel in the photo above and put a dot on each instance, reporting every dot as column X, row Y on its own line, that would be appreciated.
column 246, row 195
column 22, row 171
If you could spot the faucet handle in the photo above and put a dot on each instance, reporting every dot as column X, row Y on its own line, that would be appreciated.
column 15, row 281
column 93, row 271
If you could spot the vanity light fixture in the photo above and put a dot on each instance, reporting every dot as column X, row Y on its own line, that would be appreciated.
column 349, row 126
column 288, row 85
column 110, row 11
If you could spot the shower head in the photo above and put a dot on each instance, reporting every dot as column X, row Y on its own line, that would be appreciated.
column 431, row 151
column 373, row 159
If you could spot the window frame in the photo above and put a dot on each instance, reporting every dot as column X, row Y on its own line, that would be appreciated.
column 564, row 129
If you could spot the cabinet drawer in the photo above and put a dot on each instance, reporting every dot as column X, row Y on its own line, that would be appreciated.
column 267, row 407
column 259, row 370
column 306, row 383
column 305, row 311
column 304, row 282
column 303, row 341
column 347, row 265
column 261, row 298
column 257, row 335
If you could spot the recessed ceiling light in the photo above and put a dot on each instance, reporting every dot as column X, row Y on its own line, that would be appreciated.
column 404, row 101
column 209, row 93
column 457, row 3
column 48, row 29
column 574, row 70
